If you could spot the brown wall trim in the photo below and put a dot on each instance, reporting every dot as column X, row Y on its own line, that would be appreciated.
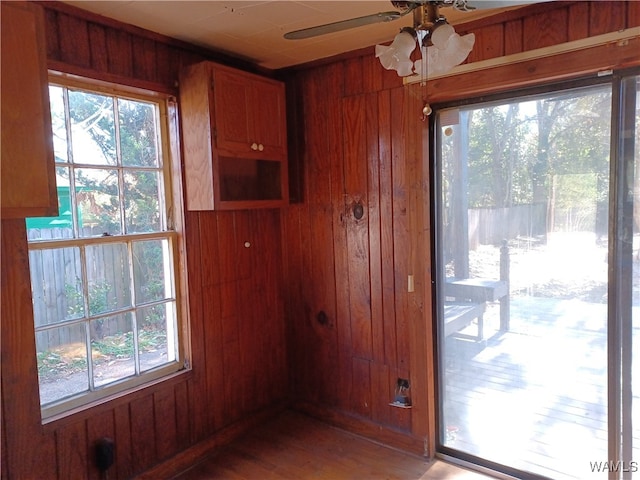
column 67, row 9
column 403, row 441
column 198, row 452
column 566, row 66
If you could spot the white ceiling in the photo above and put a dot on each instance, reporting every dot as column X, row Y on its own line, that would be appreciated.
column 253, row 30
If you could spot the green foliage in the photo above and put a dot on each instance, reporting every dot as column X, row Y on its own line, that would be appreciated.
column 75, row 305
column 99, row 300
column 497, row 142
column 516, row 149
column 95, row 119
column 154, row 319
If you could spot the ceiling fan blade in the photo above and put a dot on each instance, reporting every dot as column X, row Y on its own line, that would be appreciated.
column 482, row 4
column 343, row 25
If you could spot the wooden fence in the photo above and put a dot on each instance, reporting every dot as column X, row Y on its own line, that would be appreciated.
column 56, row 276
column 490, row 226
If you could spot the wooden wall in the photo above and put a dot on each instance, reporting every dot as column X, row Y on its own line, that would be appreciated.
column 319, row 306
column 353, row 328
column 235, row 297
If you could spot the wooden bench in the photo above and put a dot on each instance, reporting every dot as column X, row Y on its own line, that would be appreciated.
column 480, row 290
column 465, row 299
column 459, row 315
column 473, row 293
column 476, row 289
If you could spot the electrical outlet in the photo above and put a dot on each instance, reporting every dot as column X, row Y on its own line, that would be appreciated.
column 105, row 453
column 402, row 394
column 403, row 383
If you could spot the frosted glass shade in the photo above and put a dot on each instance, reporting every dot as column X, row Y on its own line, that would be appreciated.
column 448, row 50
column 441, row 36
column 397, row 55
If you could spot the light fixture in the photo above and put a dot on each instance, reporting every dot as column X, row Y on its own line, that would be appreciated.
column 440, row 46
column 397, row 56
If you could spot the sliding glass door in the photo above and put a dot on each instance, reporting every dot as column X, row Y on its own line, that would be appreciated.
column 537, row 280
column 626, row 416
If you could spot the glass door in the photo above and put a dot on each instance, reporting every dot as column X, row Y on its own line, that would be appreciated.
column 528, row 280
column 625, row 422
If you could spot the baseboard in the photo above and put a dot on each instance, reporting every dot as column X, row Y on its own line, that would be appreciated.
column 355, row 425
column 363, row 427
column 198, row 452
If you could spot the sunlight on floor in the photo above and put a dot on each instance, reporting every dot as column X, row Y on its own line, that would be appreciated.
column 441, row 470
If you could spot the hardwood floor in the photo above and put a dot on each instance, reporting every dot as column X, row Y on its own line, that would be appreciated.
column 294, row 446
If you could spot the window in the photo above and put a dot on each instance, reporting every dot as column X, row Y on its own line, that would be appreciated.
column 103, row 271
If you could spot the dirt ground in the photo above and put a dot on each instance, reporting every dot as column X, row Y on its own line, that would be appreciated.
column 56, row 387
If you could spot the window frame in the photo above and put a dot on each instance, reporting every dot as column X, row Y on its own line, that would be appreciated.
column 618, row 407
column 171, row 230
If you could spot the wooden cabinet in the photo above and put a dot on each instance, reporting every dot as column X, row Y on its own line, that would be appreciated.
column 250, row 114
column 28, row 180
column 234, row 133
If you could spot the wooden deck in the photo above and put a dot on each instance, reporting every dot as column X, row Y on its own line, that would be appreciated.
column 294, row 446
column 534, row 397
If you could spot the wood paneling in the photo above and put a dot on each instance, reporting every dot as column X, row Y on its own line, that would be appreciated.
column 615, row 18
column 235, row 301
column 73, row 40
column 123, row 442
column 99, row 426
column 143, row 433
column 20, row 398
column 489, row 43
column 166, row 423
column 376, row 331
column 368, row 256
column 633, row 13
column 317, row 307
column 543, row 30
column 119, row 53
column 143, row 50
column 355, row 189
column 98, row 43
column 513, row 37
column 577, row 27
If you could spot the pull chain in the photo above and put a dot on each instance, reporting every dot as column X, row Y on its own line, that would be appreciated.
column 426, row 108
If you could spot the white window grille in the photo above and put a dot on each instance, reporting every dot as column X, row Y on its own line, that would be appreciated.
column 103, row 272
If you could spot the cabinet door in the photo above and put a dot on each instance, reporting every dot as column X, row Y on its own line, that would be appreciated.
column 269, row 118
column 232, row 98
column 28, row 169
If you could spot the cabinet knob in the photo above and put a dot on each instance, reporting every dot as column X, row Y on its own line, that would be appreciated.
column 254, row 146
column 261, row 147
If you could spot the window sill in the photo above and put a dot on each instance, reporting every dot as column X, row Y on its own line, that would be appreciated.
column 54, row 422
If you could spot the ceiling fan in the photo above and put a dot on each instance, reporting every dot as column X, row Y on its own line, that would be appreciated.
column 441, row 47
column 403, row 8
